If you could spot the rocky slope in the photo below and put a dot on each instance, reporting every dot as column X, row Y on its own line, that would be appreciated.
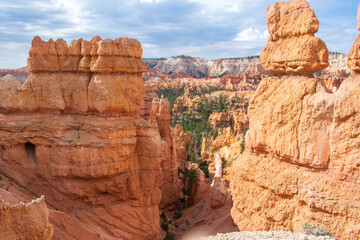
column 169, row 182
column 20, row 73
column 301, row 163
column 73, row 132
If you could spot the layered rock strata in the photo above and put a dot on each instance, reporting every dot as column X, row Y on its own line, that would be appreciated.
column 301, row 163
column 150, row 94
column 25, row 221
column 292, row 47
column 169, row 182
column 73, row 133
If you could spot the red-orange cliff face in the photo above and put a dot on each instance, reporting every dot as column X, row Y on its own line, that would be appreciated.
column 73, row 133
column 301, row 161
column 25, row 220
column 169, row 182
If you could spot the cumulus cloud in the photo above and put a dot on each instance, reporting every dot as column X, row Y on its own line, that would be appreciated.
column 152, row 1
column 203, row 28
column 252, row 34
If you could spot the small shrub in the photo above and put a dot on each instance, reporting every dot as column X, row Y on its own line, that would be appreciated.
column 177, row 215
column 204, row 166
column 315, row 230
column 164, row 222
column 169, row 236
column 1, row 185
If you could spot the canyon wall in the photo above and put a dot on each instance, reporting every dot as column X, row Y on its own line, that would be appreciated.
column 25, row 221
column 73, row 133
column 301, row 161
column 169, row 181
column 200, row 67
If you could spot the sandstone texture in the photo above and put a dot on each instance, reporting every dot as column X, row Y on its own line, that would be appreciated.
column 301, row 159
column 25, row 221
column 169, row 183
column 220, row 120
column 293, row 48
column 240, row 122
column 183, row 139
column 150, row 94
column 218, row 189
column 73, row 132
column 354, row 54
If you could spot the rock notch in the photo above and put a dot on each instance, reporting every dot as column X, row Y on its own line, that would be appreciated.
column 292, row 47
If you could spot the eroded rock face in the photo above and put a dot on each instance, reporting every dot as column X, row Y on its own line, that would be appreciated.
column 293, row 48
column 25, row 221
column 240, row 122
column 220, row 120
column 182, row 141
column 150, row 94
column 218, row 189
column 169, row 183
column 301, row 160
column 76, row 136
column 103, row 76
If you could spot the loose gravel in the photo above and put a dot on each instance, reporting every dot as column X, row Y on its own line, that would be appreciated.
column 265, row 235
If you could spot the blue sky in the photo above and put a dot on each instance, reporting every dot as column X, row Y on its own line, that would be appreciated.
column 203, row 28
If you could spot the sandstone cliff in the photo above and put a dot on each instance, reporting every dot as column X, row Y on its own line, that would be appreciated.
column 301, row 163
column 169, row 182
column 25, row 221
column 199, row 67
column 73, row 133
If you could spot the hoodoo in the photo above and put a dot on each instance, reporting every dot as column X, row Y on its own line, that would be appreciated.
column 301, row 161
column 292, row 47
column 73, row 133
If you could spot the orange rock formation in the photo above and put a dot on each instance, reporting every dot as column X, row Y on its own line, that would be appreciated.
column 301, row 163
column 218, row 189
column 150, row 94
column 354, row 54
column 169, row 183
column 240, row 121
column 25, row 221
column 182, row 140
column 218, row 120
column 292, row 47
column 73, row 133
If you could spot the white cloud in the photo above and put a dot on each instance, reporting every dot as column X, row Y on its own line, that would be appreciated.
column 233, row 6
column 252, row 34
column 152, row 1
